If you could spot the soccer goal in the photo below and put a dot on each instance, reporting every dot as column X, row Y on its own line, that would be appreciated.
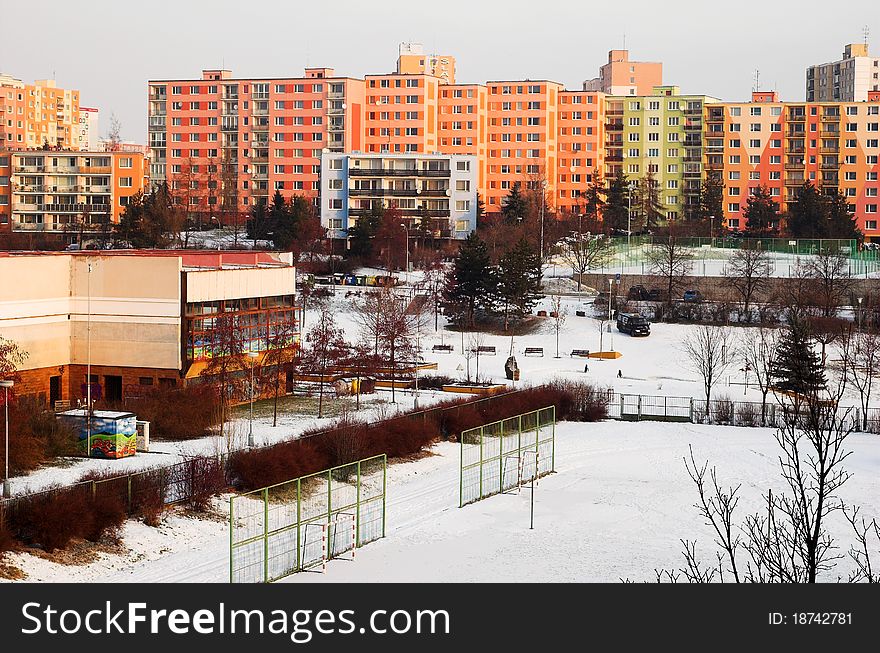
column 504, row 455
column 304, row 523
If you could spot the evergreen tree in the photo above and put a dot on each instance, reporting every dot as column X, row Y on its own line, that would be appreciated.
column 796, row 366
column 594, row 197
column 481, row 208
column 761, row 212
column 361, row 235
column 712, row 197
column 471, row 282
column 519, row 281
column 841, row 221
column 616, row 212
column 806, row 215
column 258, row 223
column 514, row 208
column 649, row 206
column 287, row 227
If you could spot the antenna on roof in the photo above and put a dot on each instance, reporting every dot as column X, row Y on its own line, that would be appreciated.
column 866, row 31
column 624, row 40
column 757, row 86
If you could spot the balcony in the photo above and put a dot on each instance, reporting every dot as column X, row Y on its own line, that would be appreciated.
column 29, row 169
column 794, row 166
column 829, row 134
column 614, row 157
column 715, row 116
column 797, row 117
column 335, row 111
column 690, row 158
column 614, row 126
column 829, row 150
column 27, row 208
column 831, row 117
column 829, row 166
column 613, row 143
column 794, row 150
column 336, row 95
column 29, row 189
column 693, row 111
column 94, row 170
column 794, row 181
column 693, row 126
column 614, row 112
column 385, row 172
column 76, row 208
column 229, row 125
column 96, row 190
column 795, row 134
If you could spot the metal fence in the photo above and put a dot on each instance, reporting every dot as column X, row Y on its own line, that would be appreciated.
column 722, row 411
column 279, row 530
column 500, row 456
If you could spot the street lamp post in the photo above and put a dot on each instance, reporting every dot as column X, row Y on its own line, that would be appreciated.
column 543, row 201
column 406, row 231
column 250, row 442
column 860, row 314
column 629, row 215
column 6, row 488
column 610, row 330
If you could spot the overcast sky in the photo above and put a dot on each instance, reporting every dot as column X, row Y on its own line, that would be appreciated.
column 108, row 49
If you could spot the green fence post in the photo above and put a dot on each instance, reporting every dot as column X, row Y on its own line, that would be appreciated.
column 129, row 494
column 357, row 512
column 231, row 540
column 266, row 535
column 298, row 523
column 461, row 470
column 384, row 488
column 481, row 462
column 501, row 460
column 553, row 442
column 329, row 493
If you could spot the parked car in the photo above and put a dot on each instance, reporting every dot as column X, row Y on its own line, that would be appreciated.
column 633, row 324
column 640, row 293
column 693, row 296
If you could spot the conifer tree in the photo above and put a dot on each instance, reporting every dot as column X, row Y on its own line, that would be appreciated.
column 519, row 281
column 594, row 197
column 761, row 212
column 514, row 209
column 616, row 213
column 841, row 219
column 796, row 366
column 712, row 197
column 806, row 215
column 470, row 284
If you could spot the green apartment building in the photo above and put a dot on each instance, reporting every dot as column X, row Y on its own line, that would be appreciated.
column 661, row 134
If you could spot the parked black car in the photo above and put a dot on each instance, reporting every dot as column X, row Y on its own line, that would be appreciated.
column 640, row 293
column 633, row 324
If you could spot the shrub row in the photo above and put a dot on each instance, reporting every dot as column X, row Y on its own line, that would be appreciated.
column 178, row 413
column 35, row 436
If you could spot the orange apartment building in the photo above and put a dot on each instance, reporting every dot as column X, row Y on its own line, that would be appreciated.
column 522, row 139
column 412, row 60
column 37, row 115
column 401, row 113
column 54, row 192
column 620, row 76
column 463, row 125
column 581, row 152
column 223, row 142
column 782, row 145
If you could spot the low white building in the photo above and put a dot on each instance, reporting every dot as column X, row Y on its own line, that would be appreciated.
column 438, row 188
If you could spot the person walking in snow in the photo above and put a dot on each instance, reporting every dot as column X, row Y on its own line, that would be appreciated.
column 619, row 374
column 586, row 367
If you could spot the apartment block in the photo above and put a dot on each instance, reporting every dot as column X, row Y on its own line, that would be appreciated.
column 434, row 193
column 56, row 191
column 581, row 148
column 522, row 139
column 846, row 80
column 38, row 115
column 412, row 60
column 661, row 133
column 401, row 113
column 782, row 145
column 222, row 143
column 463, row 125
column 87, row 134
column 620, row 76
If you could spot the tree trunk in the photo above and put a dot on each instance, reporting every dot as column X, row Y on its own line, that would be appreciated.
column 275, row 407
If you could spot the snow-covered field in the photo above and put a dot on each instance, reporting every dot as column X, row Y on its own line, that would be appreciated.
column 616, row 508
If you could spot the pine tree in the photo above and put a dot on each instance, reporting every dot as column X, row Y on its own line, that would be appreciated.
column 258, row 223
column 361, row 235
column 796, row 367
column 594, row 202
column 470, row 284
column 712, row 197
column 761, row 212
column 514, row 208
column 616, row 213
column 806, row 215
column 519, row 281
column 841, row 221
column 649, row 204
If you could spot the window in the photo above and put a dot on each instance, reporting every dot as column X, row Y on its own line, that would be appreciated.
column 462, row 185
column 733, row 207
column 125, row 162
column 462, row 205
column 733, row 175
column 335, row 184
column 336, row 204
column 125, row 182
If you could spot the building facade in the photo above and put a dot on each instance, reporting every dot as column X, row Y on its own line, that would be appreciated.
column 138, row 320
column 412, row 60
column 434, row 193
column 847, row 80
column 38, row 115
column 620, row 76
column 87, row 134
column 57, row 191
column 659, row 136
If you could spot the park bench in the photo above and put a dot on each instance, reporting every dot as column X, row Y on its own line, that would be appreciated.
column 534, row 351
column 485, row 349
column 443, row 348
column 581, row 313
column 581, row 353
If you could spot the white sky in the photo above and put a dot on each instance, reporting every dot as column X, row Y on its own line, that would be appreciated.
column 110, row 48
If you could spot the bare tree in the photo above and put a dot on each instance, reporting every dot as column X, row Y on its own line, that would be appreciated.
column 114, row 136
column 706, row 349
column 397, row 333
column 585, row 252
column 282, row 355
column 826, row 331
column 558, row 312
column 11, row 356
column 860, row 553
column 476, row 342
column 861, row 351
column 758, row 347
column 369, row 316
column 229, row 200
column 325, row 348
column 831, row 280
column 672, row 261
column 748, row 273
column 226, row 363
column 788, row 541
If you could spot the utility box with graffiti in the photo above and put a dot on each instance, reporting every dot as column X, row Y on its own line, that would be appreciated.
column 108, row 434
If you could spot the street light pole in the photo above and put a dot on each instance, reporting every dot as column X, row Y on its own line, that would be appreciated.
column 6, row 487
column 543, row 189
column 629, row 215
column 406, row 231
column 860, row 314
column 250, row 443
column 610, row 330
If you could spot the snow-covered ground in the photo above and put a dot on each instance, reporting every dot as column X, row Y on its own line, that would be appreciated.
column 616, row 508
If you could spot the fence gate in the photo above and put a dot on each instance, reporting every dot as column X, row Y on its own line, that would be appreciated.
column 634, row 408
